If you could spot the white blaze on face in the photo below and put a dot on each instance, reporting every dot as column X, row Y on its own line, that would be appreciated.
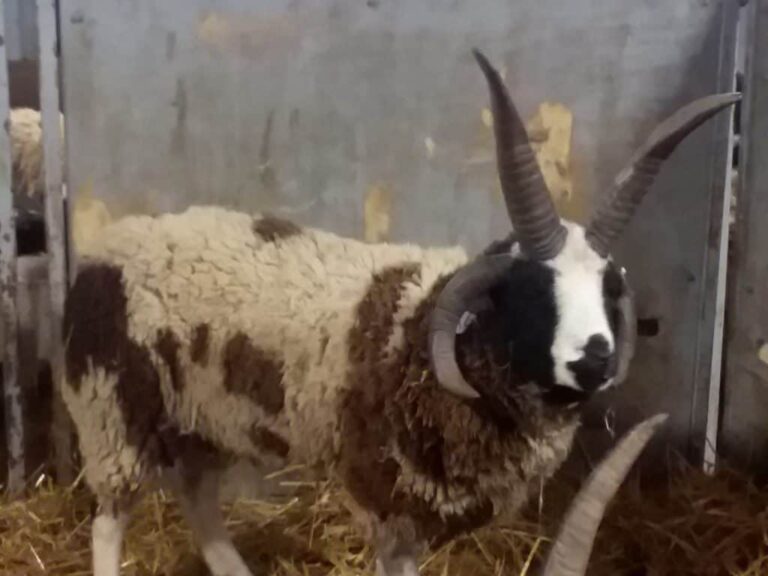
column 579, row 300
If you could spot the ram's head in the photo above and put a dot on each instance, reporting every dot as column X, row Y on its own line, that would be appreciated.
column 552, row 293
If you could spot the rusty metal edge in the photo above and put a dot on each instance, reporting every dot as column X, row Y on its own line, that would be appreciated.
column 55, row 226
column 12, row 396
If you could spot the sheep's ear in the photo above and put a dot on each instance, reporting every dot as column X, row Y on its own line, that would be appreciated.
column 501, row 246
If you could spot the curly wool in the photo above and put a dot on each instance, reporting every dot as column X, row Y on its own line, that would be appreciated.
column 270, row 341
column 27, row 152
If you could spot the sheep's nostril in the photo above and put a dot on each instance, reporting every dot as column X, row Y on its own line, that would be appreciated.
column 597, row 349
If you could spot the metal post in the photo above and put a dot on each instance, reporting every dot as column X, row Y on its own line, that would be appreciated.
column 12, row 396
column 55, row 226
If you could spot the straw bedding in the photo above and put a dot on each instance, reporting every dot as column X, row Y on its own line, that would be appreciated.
column 692, row 524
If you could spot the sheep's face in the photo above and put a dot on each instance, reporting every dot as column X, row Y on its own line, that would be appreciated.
column 561, row 319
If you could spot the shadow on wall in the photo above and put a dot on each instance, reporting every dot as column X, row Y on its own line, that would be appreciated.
column 24, row 82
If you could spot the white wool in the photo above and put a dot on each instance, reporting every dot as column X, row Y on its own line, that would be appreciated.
column 296, row 297
column 27, row 151
column 580, row 304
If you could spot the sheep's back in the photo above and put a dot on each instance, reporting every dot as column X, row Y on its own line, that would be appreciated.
column 247, row 318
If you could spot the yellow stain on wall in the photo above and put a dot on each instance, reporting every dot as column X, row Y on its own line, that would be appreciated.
column 550, row 131
column 487, row 117
column 89, row 216
column 249, row 34
column 762, row 354
column 376, row 216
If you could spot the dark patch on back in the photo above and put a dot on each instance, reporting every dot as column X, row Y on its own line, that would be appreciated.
column 272, row 228
column 268, row 441
column 95, row 321
column 141, row 402
column 198, row 350
column 369, row 479
column 167, row 347
column 254, row 373
column 96, row 333
column 366, row 428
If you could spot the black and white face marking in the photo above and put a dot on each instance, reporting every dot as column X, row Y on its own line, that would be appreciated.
column 562, row 318
column 584, row 342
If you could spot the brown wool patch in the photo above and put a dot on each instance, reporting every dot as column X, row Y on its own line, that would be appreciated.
column 197, row 454
column 365, row 429
column 272, row 228
column 168, row 346
column 389, row 399
column 96, row 331
column 198, row 350
column 254, row 373
column 95, row 321
column 266, row 440
column 141, row 402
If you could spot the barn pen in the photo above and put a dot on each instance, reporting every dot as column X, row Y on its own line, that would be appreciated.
column 371, row 121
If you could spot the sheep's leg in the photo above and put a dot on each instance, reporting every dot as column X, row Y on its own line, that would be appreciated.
column 396, row 566
column 396, row 549
column 107, row 537
column 198, row 495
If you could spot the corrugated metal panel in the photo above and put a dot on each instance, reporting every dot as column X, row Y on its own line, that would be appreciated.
column 330, row 112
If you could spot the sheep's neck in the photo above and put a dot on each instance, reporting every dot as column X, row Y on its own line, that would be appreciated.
column 409, row 447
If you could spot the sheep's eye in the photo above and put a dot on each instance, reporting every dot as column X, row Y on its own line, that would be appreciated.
column 613, row 283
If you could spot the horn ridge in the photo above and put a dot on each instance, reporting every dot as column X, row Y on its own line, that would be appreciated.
column 572, row 548
column 529, row 203
column 612, row 218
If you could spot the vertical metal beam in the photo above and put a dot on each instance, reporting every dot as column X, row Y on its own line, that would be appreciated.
column 744, row 433
column 706, row 369
column 716, row 363
column 12, row 396
column 55, row 225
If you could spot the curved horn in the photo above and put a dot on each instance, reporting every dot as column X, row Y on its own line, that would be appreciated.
column 627, row 335
column 634, row 181
column 570, row 553
column 528, row 201
column 467, row 284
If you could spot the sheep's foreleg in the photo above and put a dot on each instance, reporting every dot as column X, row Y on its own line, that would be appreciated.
column 396, row 548
column 107, row 538
column 200, row 504
column 396, row 566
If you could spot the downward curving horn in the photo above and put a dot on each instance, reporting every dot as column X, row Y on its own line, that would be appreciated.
column 528, row 201
column 468, row 284
column 570, row 553
column 634, row 181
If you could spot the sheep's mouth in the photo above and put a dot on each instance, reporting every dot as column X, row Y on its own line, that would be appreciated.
column 592, row 375
column 565, row 395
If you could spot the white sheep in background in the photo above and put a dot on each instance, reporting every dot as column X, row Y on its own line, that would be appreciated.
column 195, row 336
column 27, row 153
column 28, row 189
